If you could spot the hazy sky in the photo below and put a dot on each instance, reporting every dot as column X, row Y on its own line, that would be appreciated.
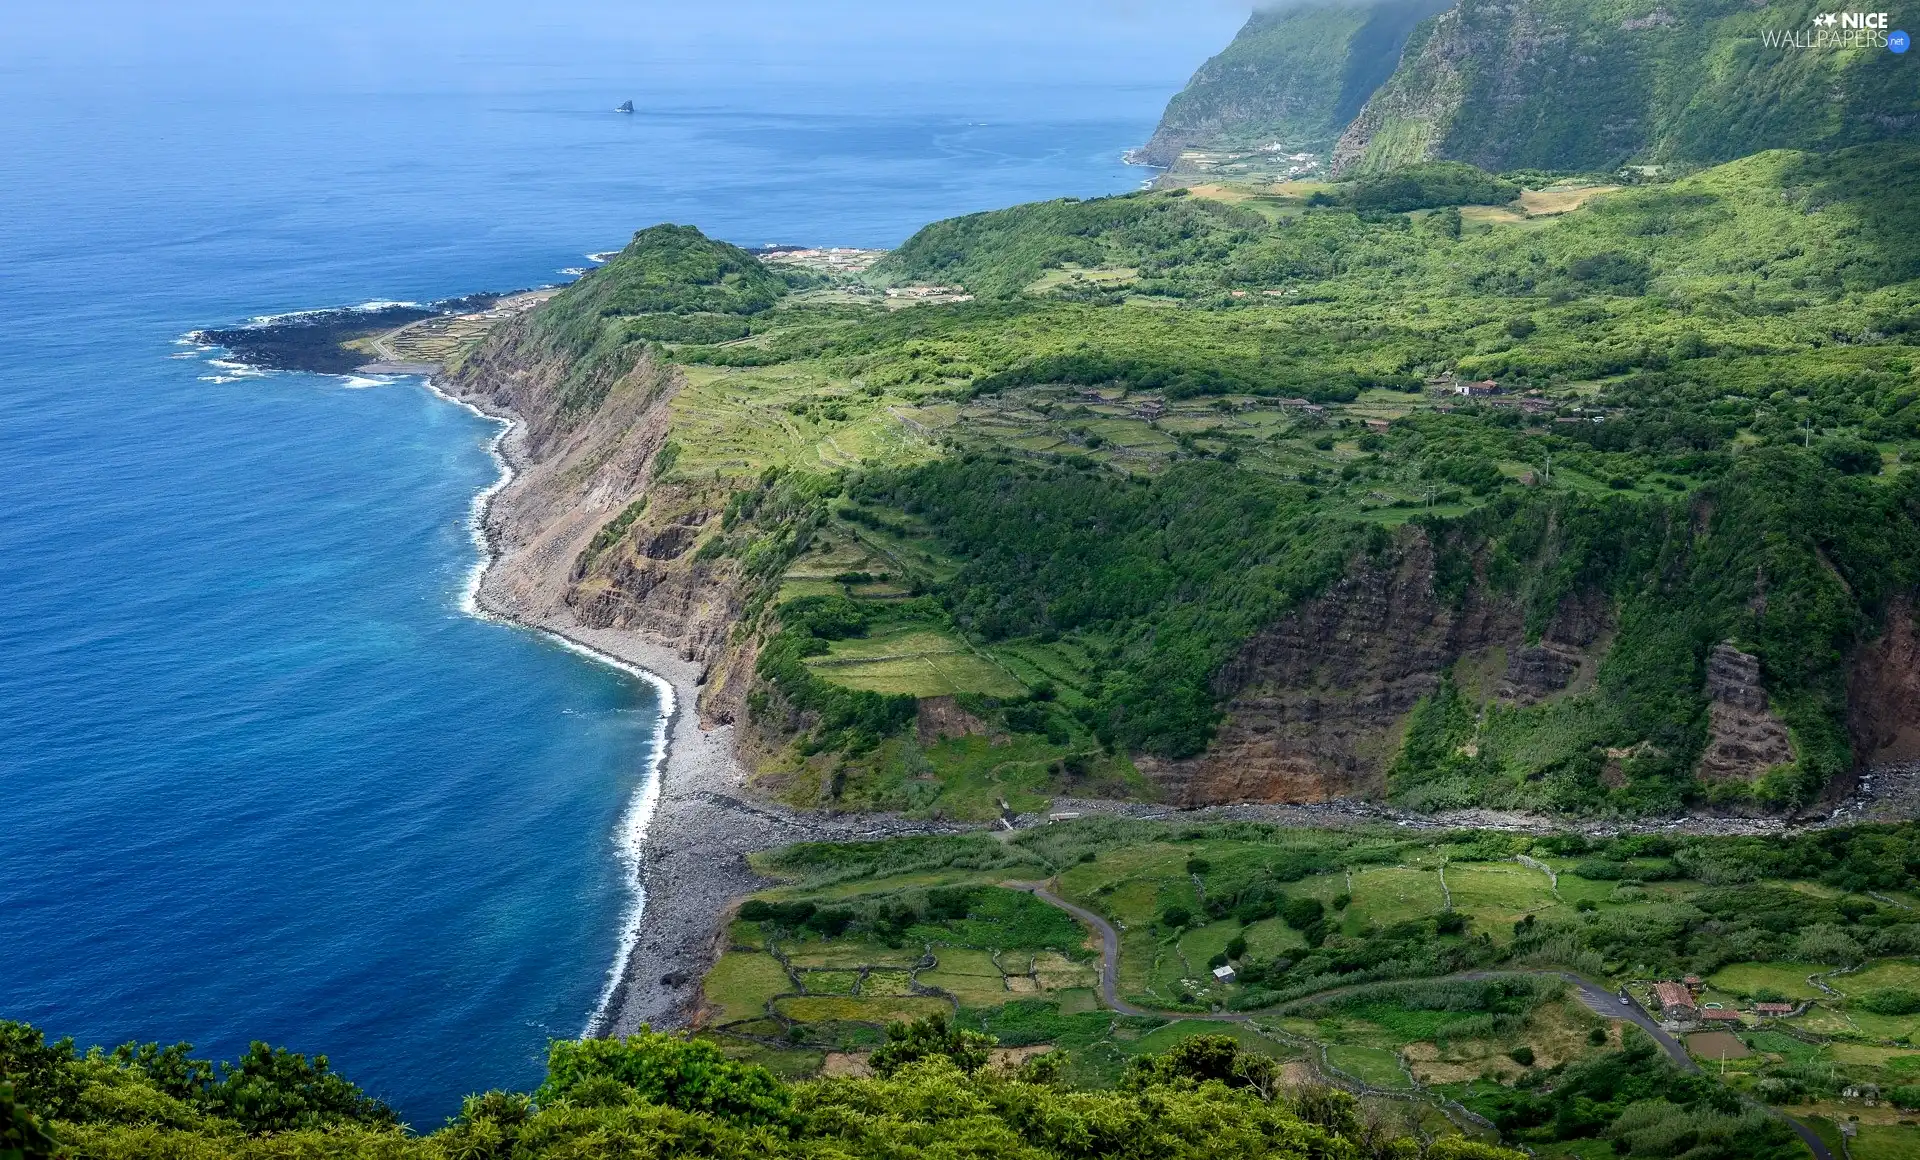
column 514, row 44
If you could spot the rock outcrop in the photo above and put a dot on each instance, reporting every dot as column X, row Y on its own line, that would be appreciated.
column 1883, row 693
column 1315, row 701
column 1744, row 738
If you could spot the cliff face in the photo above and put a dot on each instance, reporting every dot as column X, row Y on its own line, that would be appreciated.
column 1883, row 696
column 587, row 535
column 1315, row 702
column 1294, row 75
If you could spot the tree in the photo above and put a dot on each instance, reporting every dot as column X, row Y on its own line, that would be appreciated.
column 21, row 1136
column 1203, row 1059
column 689, row 1074
column 272, row 1089
column 924, row 1038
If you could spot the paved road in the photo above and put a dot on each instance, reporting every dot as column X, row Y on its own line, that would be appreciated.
column 1607, row 1003
column 1109, row 950
column 1600, row 999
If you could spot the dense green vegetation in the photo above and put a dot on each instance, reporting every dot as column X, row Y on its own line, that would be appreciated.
column 1550, row 84
column 658, row 1095
column 1429, row 185
column 670, row 284
column 1174, row 571
column 1003, row 251
column 1637, row 1100
column 1169, row 419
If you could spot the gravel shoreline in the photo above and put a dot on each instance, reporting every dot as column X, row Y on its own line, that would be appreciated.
column 692, row 864
column 687, row 833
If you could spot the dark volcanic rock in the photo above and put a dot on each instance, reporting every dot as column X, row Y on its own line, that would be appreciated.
column 316, row 340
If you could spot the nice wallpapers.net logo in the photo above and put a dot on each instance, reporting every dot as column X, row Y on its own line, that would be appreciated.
column 1842, row 30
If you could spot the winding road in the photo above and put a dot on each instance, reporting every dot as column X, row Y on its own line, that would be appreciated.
column 1599, row 999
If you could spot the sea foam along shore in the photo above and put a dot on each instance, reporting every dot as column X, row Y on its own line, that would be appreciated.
column 630, row 836
column 686, row 835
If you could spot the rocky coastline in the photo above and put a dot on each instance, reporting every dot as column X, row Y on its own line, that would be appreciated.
column 688, row 833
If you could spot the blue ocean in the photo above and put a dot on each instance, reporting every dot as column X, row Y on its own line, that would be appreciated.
column 260, row 776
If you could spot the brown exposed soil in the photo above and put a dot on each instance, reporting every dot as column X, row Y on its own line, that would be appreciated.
column 1883, row 694
column 1744, row 738
column 1315, row 701
column 940, row 717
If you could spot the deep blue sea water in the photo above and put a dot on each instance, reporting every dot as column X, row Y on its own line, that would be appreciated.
column 260, row 777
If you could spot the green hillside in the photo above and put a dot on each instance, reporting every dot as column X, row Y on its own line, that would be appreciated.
column 1708, row 437
column 671, row 283
column 1589, row 87
column 1563, row 85
column 1168, row 422
column 1294, row 75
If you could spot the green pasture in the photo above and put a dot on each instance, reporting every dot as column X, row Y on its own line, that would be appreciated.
column 1788, row 979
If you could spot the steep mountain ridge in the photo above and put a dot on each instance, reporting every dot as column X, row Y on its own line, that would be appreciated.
column 1567, row 85
column 1294, row 75
column 1575, row 86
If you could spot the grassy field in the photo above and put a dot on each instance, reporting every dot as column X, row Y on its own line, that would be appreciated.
column 1885, row 1142
column 1789, row 979
column 916, row 660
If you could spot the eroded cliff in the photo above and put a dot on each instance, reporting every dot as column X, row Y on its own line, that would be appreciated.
column 589, row 533
column 1316, row 703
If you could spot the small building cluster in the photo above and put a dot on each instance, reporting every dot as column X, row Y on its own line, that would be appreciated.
column 1679, row 1002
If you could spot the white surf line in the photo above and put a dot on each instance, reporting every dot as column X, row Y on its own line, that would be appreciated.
column 630, row 834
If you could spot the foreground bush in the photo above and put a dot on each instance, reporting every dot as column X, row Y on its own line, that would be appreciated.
column 666, row 1096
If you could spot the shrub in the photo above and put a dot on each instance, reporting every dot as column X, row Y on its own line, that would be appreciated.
column 1890, row 1001
column 1175, row 917
column 21, row 1136
column 1301, row 913
column 925, row 1038
column 1598, row 870
column 787, row 914
column 1851, row 456
column 689, row 1074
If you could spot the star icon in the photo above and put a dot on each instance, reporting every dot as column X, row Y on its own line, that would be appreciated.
column 1828, row 19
